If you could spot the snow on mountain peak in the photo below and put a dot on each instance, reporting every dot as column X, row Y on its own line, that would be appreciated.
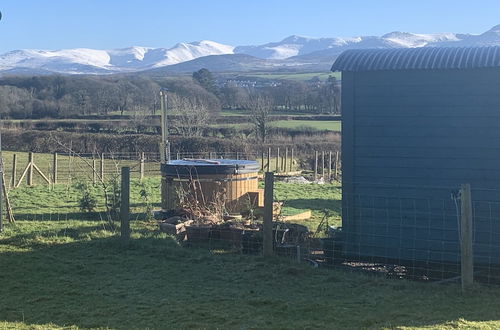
column 292, row 49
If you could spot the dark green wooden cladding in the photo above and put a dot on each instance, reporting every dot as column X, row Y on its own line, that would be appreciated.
column 410, row 138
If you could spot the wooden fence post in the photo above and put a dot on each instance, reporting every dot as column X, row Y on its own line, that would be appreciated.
column 14, row 171
column 125, row 204
column 329, row 166
column 54, row 168
column 141, row 167
column 315, row 165
column 94, row 170
column 286, row 159
column 466, row 234
column 30, row 170
column 268, row 159
column 291, row 160
column 101, row 172
column 267, row 229
column 323, row 164
column 336, row 173
column 277, row 160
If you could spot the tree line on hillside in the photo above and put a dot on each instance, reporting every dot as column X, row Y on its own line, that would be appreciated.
column 56, row 96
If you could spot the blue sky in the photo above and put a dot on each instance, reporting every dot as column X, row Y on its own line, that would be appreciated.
column 106, row 24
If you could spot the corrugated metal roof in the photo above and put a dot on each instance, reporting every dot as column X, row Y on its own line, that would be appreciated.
column 425, row 58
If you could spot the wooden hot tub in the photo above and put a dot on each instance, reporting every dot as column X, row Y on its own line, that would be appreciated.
column 207, row 180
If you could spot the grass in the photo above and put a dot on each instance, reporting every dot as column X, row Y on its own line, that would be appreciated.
column 316, row 124
column 75, row 274
column 320, row 199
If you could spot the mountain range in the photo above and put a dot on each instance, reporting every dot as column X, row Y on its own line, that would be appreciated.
column 294, row 53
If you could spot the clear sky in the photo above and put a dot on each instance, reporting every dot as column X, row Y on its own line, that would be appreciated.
column 106, row 24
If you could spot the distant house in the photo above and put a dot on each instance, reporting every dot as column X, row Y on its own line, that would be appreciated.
column 417, row 123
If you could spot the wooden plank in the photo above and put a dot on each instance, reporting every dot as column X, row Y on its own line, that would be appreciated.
column 41, row 173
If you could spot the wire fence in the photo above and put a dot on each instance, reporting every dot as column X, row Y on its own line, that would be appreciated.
column 414, row 233
column 33, row 168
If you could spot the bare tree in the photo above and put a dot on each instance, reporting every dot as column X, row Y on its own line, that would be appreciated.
column 193, row 116
column 260, row 107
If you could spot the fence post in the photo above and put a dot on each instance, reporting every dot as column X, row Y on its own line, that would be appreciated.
column 262, row 162
column 125, row 204
column 286, row 159
column 267, row 229
column 141, row 167
column 30, row 170
column 315, row 165
column 336, row 173
column 323, row 164
column 329, row 166
column 277, row 160
column 291, row 160
column 14, row 171
column 94, row 169
column 269, row 159
column 466, row 234
column 178, row 156
column 54, row 168
column 101, row 171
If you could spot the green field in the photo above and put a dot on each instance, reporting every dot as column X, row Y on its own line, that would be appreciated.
column 317, row 124
column 73, row 273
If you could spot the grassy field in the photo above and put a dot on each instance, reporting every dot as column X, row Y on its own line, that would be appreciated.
column 316, row 124
column 73, row 273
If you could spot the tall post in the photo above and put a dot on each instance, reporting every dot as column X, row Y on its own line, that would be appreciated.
column 277, row 159
column 315, row 165
column 54, row 168
column 141, row 166
column 101, row 171
column 291, row 160
column 323, row 164
column 268, row 214
column 336, row 173
column 466, row 234
column 125, row 204
column 14, row 171
column 30, row 169
column 164, row 144
column 286, row 158
column 94, row 169
column 329, row 166
column 262, row 162
column 268, row 167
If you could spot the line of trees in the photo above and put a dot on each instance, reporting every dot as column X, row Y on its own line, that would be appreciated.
column 200, row 96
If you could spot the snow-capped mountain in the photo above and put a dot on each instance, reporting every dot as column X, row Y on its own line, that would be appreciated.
column 294, row 52
column 298, row 45
column 84, row 60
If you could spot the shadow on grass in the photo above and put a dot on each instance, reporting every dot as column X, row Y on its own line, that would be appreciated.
column 153, row 282
column 315, row 204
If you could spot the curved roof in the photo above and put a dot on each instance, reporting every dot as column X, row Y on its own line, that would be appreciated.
column 425, row 58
